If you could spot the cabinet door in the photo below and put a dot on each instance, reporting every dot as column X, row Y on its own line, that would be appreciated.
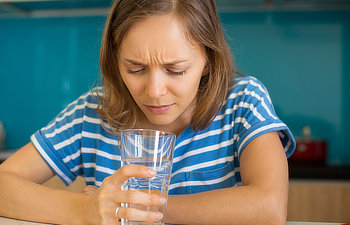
column 319, row 201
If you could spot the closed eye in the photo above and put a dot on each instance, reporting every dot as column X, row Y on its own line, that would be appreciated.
column 180, row 73
column 135, row 71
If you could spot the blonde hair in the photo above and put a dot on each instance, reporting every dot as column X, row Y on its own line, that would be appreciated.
column 201, row 23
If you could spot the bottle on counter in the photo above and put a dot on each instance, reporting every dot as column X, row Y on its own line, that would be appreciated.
column 2, row 135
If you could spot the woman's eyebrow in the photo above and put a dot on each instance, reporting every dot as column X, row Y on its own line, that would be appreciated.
column 175, row 62
column 170, row 63
column 131, row 61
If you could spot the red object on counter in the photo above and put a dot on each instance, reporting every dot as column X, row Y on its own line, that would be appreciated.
column 309, row 151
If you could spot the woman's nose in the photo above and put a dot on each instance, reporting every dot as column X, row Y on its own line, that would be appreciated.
column 156, row 85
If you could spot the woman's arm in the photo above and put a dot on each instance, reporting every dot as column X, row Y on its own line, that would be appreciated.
column 22, row 196
column 261, row 200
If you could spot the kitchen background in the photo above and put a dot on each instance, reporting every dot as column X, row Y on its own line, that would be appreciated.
column 300, row 49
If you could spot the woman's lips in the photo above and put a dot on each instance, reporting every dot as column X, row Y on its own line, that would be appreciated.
column 159, row 109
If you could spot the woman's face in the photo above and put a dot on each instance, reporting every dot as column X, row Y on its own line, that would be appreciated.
column 162, row 71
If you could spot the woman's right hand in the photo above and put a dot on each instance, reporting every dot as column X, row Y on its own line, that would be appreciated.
column 105, row 201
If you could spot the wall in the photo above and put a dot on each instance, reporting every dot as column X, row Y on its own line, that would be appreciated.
column 44, row 65
column 303, row 58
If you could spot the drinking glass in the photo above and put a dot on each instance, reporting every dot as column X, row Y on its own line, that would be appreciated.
column 154, row 149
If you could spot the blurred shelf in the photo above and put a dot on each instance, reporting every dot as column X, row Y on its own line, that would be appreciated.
column 285, row 6
column 53, row 8
column 319, row 172
column 81, row 8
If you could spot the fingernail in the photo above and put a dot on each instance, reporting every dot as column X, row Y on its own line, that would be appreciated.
column 159, row 215
column 152, row 172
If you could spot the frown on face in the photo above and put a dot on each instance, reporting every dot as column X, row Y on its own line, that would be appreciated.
column 162, row 70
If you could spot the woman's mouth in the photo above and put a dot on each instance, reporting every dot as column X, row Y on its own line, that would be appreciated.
column 159, row 109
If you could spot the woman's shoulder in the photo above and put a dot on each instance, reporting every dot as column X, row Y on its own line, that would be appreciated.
column 90, row 98
column 93, row 95
column 247, row 86
column 244, row 82
column 85, row 103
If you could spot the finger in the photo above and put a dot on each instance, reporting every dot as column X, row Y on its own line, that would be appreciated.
column 90, row 189
column 133, row 214
column 131, row 171
column 140, row 198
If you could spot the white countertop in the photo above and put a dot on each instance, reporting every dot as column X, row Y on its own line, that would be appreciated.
column 7, row 221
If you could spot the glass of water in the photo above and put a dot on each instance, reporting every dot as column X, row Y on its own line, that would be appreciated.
column 154, row 149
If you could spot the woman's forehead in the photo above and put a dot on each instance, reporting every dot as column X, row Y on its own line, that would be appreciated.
column 158, row 37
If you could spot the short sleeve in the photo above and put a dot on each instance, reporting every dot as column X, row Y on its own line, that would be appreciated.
column 59, row 143
column 255, row 115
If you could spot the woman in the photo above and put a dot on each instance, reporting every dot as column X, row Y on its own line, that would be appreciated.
column 165, row 65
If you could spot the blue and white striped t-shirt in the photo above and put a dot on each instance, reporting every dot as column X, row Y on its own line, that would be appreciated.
column 75, row 143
